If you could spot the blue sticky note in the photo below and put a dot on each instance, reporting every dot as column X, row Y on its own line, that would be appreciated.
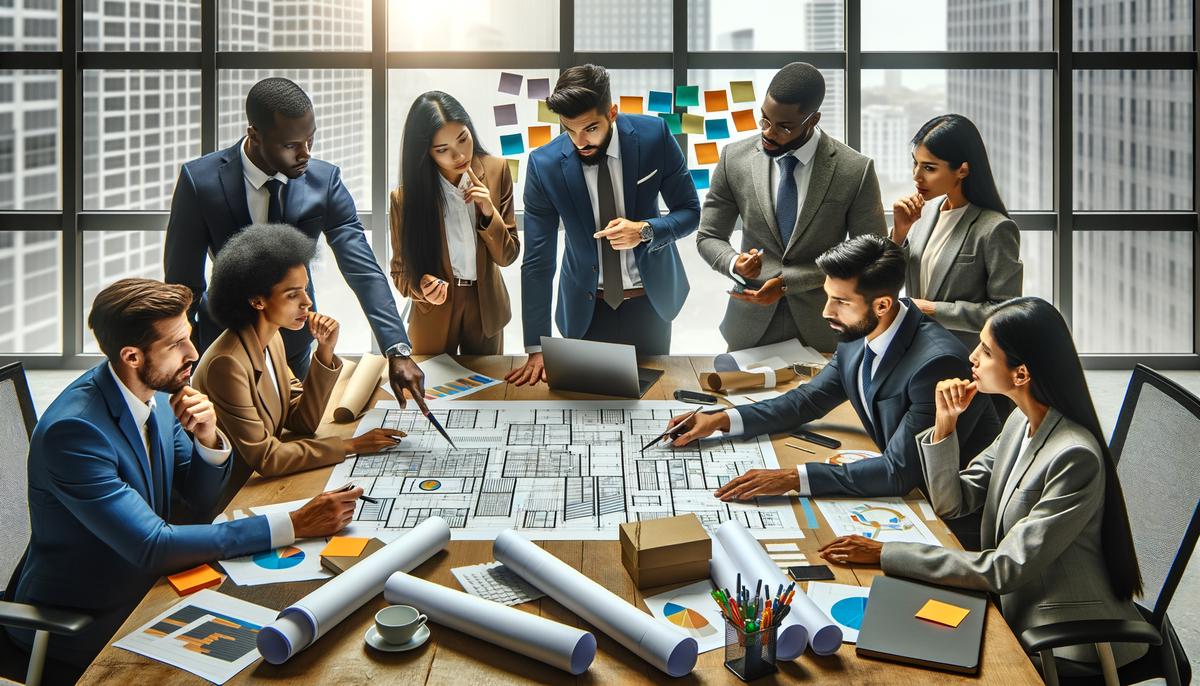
column 660, row 101
column 673, row 123
column 715, row 129
column 700, row 178
column 512, row 144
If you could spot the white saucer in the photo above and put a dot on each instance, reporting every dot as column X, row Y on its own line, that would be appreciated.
column 375, row 641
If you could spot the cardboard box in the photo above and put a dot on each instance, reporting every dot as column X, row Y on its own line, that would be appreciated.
column 665, row 551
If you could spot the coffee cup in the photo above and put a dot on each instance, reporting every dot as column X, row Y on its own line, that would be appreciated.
column 396, row 624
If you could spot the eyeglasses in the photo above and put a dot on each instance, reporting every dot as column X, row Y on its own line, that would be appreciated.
column 765, row 124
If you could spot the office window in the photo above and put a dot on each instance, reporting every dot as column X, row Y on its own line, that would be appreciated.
column 957, row 25
column 1134, row 26
column 141, row 25
column 1037, row 256
column 29, row 140
column 623, row 25
column 29, row 25
column 747, row 25
column 472, row 25
column 109, row 256
column 30, row 292
column 309, row 25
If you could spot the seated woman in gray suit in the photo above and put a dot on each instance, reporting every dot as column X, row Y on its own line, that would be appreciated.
column 963, row 250
column 1057, row 545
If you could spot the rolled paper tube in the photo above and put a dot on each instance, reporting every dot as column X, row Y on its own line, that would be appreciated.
column 360, row 388
column 558, row 645
column 728, row 382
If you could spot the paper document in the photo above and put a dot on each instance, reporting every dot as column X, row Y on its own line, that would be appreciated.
column 691, row 610
column 495, row 582
column 882, row 519
column 790, row 352
column 445, row 378
column 300, row 561
column 845, row 604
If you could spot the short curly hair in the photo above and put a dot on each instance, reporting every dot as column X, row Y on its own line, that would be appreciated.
column 251, row 264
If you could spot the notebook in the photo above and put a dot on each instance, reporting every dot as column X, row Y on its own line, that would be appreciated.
column 339, row 564
column 892, row 631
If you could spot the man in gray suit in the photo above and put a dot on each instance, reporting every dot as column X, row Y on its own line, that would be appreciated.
column 798, row 192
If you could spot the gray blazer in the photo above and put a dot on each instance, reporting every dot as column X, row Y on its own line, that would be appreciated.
column 980, row 267
column 1041, row 534
column 842, row 200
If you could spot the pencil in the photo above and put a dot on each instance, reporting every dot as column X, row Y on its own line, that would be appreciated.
column 800, row 447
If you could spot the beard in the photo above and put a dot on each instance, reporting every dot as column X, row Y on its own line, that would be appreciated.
column 785, row 149
column 853, row 332
column 601, row 150
column 168, row 383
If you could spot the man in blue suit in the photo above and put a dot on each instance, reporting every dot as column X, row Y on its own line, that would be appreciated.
column 889, row 361
column 104, row 460
column 622, row 280
column 270, row 177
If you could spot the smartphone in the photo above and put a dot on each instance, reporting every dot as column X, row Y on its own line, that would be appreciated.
column 737, row 288
column 819, row 439
column 695, row 397
column 811, row 573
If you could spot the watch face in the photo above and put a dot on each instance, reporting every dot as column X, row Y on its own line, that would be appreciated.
column 647, row 232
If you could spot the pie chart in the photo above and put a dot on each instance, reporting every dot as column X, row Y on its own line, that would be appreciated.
column 689, row 619
column 849, row 612
column 280, row 558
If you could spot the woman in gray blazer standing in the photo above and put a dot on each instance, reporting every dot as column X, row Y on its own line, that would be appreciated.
column 1057, row 545
column 963, row 249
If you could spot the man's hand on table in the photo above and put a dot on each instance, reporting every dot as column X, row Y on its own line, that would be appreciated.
column 326, row 514
column 856, row 550
column 529, row 373
column 759, row 482
column 405, row 375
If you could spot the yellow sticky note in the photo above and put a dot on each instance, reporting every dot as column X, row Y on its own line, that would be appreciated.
column 693, row 123
column 195, row 579
column 743, row 120
column 715, row 101
column 514, row 166
column 743, row 91
column 545, row 115
column 344, row 546
column 538, row 135
column 631, row 104
column 943, row 613
column 706, row 153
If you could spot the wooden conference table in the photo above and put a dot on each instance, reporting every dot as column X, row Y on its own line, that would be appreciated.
column 450, row 657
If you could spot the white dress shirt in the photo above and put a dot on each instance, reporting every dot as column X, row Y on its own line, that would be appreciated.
column 802, row 173
column 257, row 195
column 458, row 218
column 279, row 524
column 880, row 345
column 630, row 276
column 938, row 238
column 270, row 364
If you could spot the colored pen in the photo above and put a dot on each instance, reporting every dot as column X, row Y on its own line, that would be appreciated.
column 363, row 498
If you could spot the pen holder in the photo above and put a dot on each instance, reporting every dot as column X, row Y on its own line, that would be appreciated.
column 750, row 655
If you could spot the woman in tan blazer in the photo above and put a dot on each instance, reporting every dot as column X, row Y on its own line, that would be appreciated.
column 258, row 286
column 452, row 229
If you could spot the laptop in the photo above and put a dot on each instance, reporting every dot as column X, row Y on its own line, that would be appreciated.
column 596, row 368
column 891, row 631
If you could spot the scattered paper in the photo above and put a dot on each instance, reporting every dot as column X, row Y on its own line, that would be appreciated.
column 345, row 546
column 445, row 378
column 687, row 96
column 660, row 101
column 716, row 129
column 750, row 398
column 510, row 83
column 209, row 634
column 506, row 115
column 782, row 547
column 692, row 123
column 851, row 456
column 927, row 512
column 300, row 561
column 743, row 91
column 514, row 168
column 789, row 557
column 631, row 104
column 716, row 101
column 195, row 579
column 691, row 610
column 511, row 144
column 743, row 120
column 943, row 613
column 538, row 89
column 700, row 178
column 674, row 123
column 882, row 519
column 545, row 114
column 791, row 351
column 845, row 604
column 706, row 153
column 495, row 582
column 538, row 136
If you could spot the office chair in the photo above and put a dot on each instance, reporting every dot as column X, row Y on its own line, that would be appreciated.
column 1154, row 445
column 17, row 418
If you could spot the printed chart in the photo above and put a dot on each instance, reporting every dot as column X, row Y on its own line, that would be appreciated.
column 845, row 604
column 884, row 519
column 691, row 610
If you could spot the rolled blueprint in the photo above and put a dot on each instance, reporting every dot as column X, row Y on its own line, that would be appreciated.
column 360, row 388
column 728, row 382
column 558, row 645
column 302, row 623
column 658, row 644
column 736, row 553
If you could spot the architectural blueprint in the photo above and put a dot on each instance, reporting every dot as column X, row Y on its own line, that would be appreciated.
column 562, row 470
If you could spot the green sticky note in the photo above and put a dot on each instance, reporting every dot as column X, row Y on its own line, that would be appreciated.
column 693, row 123
column 673, row 123
column 687, row 96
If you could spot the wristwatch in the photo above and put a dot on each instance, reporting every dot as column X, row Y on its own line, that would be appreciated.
column 401, row 349
column 647, row 232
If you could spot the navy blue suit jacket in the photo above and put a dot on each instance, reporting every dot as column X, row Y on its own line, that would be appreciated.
column 902, row 404
column 100, row 537
column 555, row 190
column 210, row 206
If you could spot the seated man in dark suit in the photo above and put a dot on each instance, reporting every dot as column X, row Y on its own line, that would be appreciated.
column 104, row 460
column 889, row 361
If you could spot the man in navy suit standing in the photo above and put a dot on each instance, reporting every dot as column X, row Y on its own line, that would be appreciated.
column 622, row 280
column 270, row 176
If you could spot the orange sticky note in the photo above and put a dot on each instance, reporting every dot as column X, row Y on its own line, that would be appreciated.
column 716, row 101
column 943, row 613
column 743, row 120
column 195, row 579
column 538, row 135
column 345, row 546
column 706, row 153
column 631, row 104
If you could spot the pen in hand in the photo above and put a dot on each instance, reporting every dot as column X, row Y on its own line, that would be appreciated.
column 363, row 498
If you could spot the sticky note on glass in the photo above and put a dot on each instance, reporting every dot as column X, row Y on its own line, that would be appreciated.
column 345, row 546
column 631, row 104
column 706, row 153
column 743, row 120
column 716, row 129
column 743, row 91
column 715, row 101
column 514, row 166
column 687, row 96
column 545, row 115
column 537, row 89
column 195, row 579
column 538, row 136
column 660, row 101
column 700, row 178
column 510, row 83
column 942, row 613
column 692, row 123
column 506, row 115
column 674, row 124
column 511, row 144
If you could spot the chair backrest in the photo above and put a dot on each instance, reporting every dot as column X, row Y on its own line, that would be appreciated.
column 17, row 418
column 1157, row 448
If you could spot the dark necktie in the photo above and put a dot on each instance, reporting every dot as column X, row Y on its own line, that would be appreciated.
column 157, row 484
column 610, row 257
column 275, row 203
column 787, row 198
column 868, row 364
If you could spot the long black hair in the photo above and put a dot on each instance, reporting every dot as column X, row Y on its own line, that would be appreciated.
column 423, row 204
column 954, row 138
column 1031, row 332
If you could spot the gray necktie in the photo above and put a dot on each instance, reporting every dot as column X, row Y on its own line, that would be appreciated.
column 610, row 257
